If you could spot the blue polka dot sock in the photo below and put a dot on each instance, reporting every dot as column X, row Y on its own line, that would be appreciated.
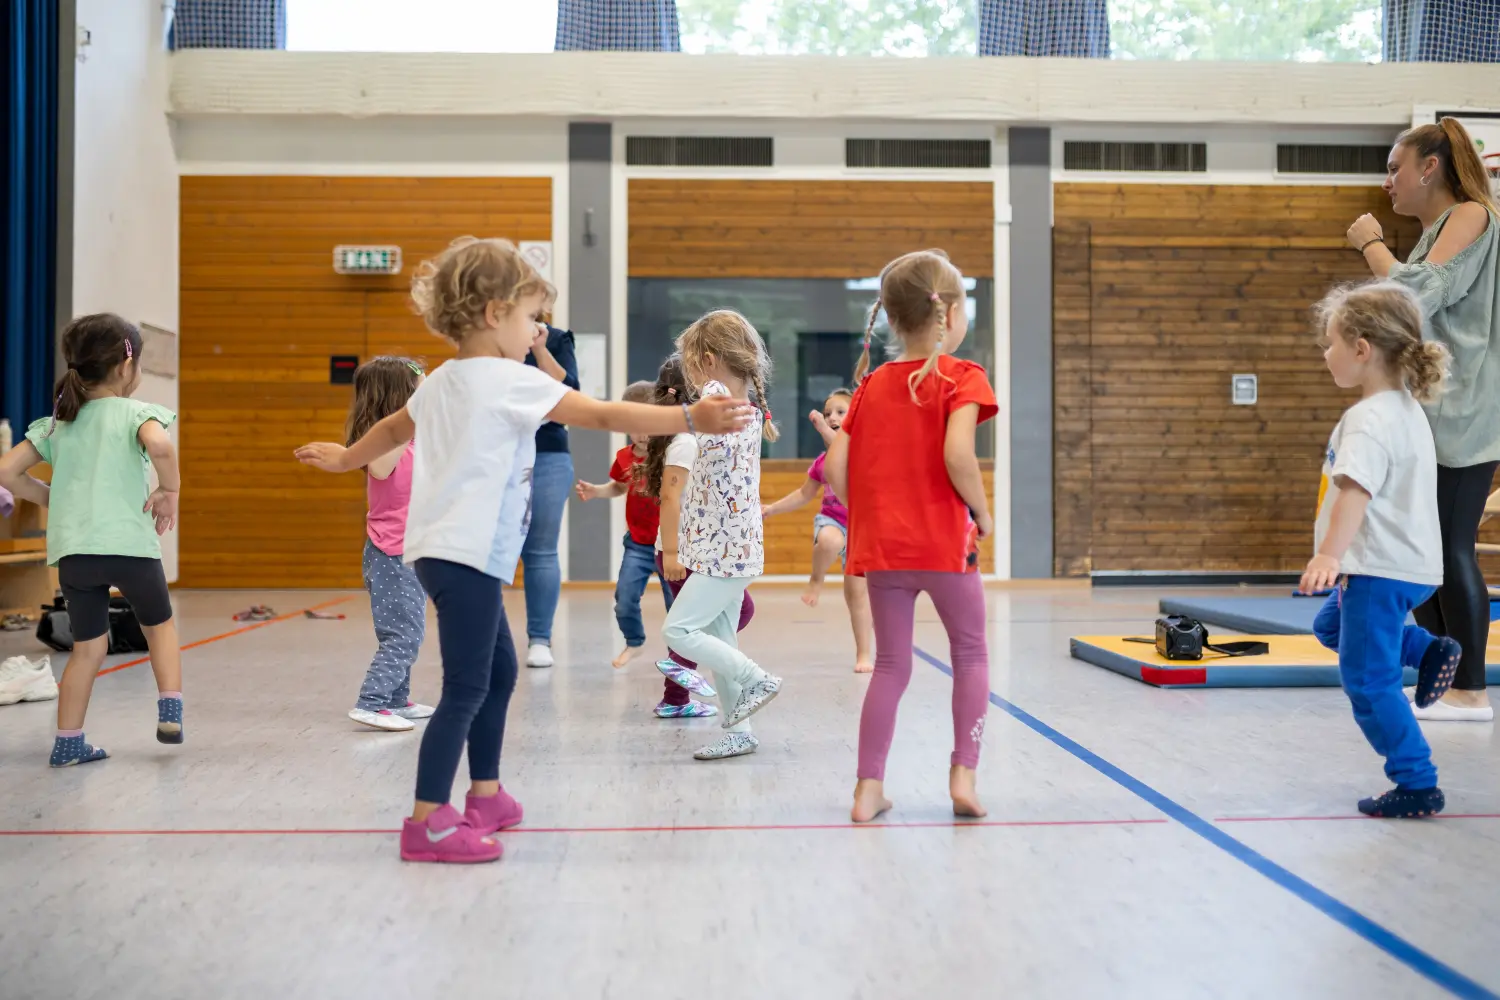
column 169, row 717
column 71, row 748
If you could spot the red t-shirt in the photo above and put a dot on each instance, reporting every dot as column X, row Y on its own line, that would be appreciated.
column 642, row 513
column 904, row 513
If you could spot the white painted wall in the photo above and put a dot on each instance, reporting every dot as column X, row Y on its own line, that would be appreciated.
column 125, row 181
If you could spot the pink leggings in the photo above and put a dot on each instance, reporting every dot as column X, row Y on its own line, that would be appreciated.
column 959, row 598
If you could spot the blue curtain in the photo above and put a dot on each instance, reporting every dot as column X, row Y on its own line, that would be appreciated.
column 620, row 25
column 1442, row 31
column 28, row 259
column 230, row 24
column 1078, row 28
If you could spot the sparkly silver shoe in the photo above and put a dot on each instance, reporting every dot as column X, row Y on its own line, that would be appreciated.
column 731, row 745
column 752, row 699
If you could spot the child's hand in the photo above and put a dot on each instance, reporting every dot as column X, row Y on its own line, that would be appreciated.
column 672, row 567
column 539, row 338
column 322, row 455
column 985, row 522
column 766, row 511
column 162, row 505
column 1322, row 573
column 587, row 491
column 819, row 422
column 721, row 415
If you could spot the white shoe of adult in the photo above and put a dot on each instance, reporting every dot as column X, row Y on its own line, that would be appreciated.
column 22, row 679
column 1441, row 711
column 383, row 719
column 538, row 655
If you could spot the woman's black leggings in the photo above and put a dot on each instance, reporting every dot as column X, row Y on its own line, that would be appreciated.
column 1461, row 607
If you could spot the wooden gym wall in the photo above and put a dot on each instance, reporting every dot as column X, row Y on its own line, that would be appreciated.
column 261, row 312
column 1161, row 292
column 804, row 229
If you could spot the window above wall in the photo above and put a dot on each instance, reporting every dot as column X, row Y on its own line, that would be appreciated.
column 425, row 26
column 1260, row 30
column 830, row 27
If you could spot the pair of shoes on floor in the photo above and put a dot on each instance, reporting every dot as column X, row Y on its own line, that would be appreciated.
column 450, row 837
column 23, row 679
column 539, row 655
column 255, row 613
column 692, row 710
column 392, row 720
column 1404, row 803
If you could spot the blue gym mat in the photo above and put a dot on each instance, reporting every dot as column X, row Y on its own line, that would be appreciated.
column 1259, row 615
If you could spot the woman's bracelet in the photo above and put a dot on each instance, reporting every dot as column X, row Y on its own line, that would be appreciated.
column 687, row 414
column 1378, row 239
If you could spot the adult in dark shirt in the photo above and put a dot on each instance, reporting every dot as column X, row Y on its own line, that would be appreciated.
column 551, row 485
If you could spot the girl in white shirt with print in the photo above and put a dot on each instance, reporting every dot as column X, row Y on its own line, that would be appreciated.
column 475, row 420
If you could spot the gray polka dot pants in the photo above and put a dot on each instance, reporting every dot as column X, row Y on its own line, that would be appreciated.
column 399, row 606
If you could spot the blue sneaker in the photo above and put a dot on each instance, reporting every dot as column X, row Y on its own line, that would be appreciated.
column 692, row 710
column 1439, row 665
column 685, row 678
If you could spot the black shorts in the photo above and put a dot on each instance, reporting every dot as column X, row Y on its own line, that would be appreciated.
column 85, row 582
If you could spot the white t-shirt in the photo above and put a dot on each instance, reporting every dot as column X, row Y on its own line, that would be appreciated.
column 722, row 533
column 1384, row 444
column 682, row 451
column 476, row 444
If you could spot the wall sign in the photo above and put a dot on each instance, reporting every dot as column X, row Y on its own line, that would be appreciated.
column 366, row 260
column 341, row 369
column 539, row 253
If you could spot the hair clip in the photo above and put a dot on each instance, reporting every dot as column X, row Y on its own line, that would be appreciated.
column 671, row 390
column 936, row 297
column 56, row 405
column 415, row 367
column 128, row 352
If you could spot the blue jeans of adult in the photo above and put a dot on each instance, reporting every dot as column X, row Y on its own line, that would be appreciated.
column 636, row 567
column 551, row 485
column 1365, row 621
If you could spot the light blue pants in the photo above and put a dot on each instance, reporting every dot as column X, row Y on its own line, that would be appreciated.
column 702, row 626
column 399, row 606
column 551, row 484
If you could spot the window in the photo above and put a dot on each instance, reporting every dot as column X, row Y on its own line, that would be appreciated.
column 1269, row 30
column 830, row 27
column 813, row 327
column 428, row 26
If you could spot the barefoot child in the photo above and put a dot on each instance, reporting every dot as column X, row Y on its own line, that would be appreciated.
column 398, row 604
column 475, row 421
column 831, row 532
column 905, row 461
column 642, row 515
column 104, row 518
column 1377, row 536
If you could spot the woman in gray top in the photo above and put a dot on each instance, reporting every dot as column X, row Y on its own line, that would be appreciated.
column 1435, row 174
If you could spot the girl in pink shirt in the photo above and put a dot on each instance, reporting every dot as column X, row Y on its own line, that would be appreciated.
column 398, row 603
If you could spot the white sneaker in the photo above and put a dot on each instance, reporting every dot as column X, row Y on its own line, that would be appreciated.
column 538, row 655
column 383, row 719
column 731, row 745
column 22, row 679
column 1441, row 711
column 412, row 710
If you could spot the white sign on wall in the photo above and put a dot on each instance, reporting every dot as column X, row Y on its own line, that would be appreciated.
column 539, row 253
column 592, row 350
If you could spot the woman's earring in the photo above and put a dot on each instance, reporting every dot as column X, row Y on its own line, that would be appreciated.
column 1426, row 180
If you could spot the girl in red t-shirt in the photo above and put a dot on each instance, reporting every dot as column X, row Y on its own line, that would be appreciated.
column 905, row 463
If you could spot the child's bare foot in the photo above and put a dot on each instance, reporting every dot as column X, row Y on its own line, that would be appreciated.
column 869, row 800
column 811, row 594
column 864, row 667
column 626, row 655
column 961, row 790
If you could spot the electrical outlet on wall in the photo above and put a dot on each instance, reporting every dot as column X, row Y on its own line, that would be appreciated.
column 83, row 41
column 1244, row 390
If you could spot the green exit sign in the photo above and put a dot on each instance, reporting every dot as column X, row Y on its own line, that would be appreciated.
column 367, row 260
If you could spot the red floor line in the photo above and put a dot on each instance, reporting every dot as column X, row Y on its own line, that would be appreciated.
column 228, row 635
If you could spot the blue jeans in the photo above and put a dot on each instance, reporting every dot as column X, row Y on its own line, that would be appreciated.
column 636, row 567
column 1365, row 621
column 551, row 484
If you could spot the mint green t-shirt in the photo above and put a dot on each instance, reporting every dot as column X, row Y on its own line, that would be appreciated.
column 100, row 480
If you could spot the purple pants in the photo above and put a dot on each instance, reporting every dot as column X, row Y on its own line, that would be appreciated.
column 959, row 598
column 676, row 694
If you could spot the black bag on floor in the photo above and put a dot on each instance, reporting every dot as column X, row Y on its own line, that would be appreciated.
column 55, row 629
column 1179, row 637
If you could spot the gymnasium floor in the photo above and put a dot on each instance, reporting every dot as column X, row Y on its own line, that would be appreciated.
column 1188, row 844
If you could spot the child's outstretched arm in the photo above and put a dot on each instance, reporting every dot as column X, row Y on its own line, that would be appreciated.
column 1343, row 524
column 13, row 474
column 713, row 415
column 673, row 479
column 962, row 461
column 820, row 424
column 391, row 433
column 795, row 500
column 600, row 491
column 162, row 503
column 836, row 465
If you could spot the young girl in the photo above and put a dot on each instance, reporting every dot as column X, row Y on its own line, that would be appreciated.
column 475, row 421
column 104, row 519
column 1377, row 533
column 905, row 460
column 721, row 540
column 398, row 604
column 831, row 531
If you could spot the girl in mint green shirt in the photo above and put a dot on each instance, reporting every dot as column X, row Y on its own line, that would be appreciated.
column 104, row 519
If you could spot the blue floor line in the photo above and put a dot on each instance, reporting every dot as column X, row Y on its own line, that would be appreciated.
column 1387, row 941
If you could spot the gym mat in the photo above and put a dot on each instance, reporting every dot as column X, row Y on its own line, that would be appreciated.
column 1258, row 615
column 1294, row 661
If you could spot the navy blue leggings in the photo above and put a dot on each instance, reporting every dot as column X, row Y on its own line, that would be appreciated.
column 479, row 674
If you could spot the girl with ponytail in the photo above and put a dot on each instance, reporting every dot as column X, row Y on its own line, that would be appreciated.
column 104, row 518
column 1435, row 175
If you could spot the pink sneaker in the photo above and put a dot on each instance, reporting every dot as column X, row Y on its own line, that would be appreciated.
column 446, row 837
column 493, row 814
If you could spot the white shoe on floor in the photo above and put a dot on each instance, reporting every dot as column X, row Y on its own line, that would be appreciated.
column 538, row 655
column 730, row 745
column 413, row 710
column 1441, row 711
column 383, row 719
column 22, row 679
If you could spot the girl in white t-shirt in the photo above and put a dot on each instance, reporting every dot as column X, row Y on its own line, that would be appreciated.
column 1377, row 534
column 475, row 420
column 721, row 539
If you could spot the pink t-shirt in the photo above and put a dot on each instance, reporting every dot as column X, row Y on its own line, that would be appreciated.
column 388, row 499
column 832, row 506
